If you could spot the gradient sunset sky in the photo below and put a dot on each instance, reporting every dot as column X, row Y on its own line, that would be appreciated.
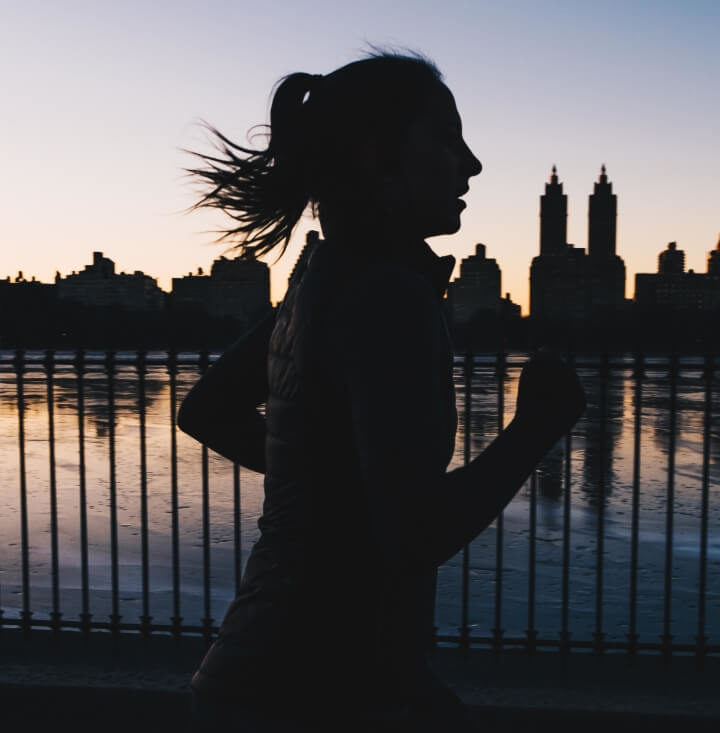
column 100, row 97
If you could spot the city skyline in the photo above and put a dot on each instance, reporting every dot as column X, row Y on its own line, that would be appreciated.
column 105, row 99
column 557, row 232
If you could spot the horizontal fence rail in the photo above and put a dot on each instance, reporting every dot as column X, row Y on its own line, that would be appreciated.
column 612, row 546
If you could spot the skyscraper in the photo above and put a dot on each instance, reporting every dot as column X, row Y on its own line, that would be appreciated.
column 312, row 238
column 98, row 285
column 671, row 260
column 238, row 287
column 602, row 218
column 477, row 288
column 713, row 261
column 553, row 217
column 672, row 289
column 566, row 285
column 606, row 271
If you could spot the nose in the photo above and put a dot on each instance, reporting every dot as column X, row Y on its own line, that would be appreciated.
column 473, row 165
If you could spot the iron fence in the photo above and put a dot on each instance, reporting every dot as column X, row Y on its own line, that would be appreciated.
column 492, row 371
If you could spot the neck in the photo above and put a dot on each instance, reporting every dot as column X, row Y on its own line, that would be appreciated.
column 369, row 232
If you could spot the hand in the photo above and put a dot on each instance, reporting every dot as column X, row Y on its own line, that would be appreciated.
column 550, row 396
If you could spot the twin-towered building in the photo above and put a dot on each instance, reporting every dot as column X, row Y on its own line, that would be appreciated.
column 568, row 284
column 571, row 286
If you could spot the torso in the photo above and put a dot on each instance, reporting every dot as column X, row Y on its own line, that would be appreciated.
column 309, row 591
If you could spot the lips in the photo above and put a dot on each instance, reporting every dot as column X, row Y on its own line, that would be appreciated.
column 461, row 204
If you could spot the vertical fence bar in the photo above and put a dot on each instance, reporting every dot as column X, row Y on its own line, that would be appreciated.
column 237, row 528
column 531, row 630
column 669, row 508
column 467, row 435
column 207, row 618
column 176, row 620
column 85, row 615
column 500, row 369
column 145, row 618
column 1, row 608
column 55, row 615
column 567, row 503
column 701, row 638
column 26, row 613
column 638, row 373
column 110, row 368
column 599, row 634
column 50, row 366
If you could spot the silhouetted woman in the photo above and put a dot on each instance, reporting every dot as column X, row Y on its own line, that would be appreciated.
column 334, row 617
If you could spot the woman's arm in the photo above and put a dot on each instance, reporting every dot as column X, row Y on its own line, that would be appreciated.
column 221, row 409
column 393, row 350
column 550, row 401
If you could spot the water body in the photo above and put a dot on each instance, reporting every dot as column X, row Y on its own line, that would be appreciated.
column 601, row 475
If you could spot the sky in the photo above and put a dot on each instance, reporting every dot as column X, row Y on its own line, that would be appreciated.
column 101, row 98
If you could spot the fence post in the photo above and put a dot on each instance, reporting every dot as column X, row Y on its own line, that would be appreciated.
column 145, row 618
column 531, row 631
column 55, row 615
column 701, row 638
column 110, row 369
column 498, row 631
column 26, row 613
column 567, row 505
column 207, row 617
column 176, row 619
column 467, row 436
column 237, row 527
column 85, row 615
column 599, row 634
column 669, row 512
column 638, row 375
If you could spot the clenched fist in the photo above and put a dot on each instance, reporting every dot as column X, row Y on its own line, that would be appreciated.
column 550, row 396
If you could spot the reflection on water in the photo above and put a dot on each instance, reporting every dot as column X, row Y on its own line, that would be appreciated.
column 601, row 473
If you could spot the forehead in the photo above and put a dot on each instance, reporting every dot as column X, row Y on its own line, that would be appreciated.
column 440, row 107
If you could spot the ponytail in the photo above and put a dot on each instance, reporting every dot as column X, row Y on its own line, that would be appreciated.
column 264, row 191
column 316, row 123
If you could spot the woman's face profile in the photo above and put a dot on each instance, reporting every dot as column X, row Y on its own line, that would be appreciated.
column 436, row 169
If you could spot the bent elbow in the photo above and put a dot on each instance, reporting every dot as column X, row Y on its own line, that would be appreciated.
column 188, row 419
column 181, row 418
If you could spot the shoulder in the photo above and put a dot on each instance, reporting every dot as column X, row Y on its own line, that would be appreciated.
column 385, row 308
column 344, row 286
column 388, row 287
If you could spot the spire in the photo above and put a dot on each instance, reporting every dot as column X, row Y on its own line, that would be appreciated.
column 553, row 217
column 602, row 218
column 717, row 246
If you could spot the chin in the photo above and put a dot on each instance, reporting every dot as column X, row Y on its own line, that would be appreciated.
column 449, row 225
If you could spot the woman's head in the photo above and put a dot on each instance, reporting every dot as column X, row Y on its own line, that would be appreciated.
column 377, row 141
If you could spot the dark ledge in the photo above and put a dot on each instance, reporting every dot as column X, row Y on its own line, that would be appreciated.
column 146, row 688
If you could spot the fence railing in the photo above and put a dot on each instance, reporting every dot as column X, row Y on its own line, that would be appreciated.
column 484, row 378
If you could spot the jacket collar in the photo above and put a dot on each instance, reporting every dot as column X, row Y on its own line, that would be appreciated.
column 416, row 256
column 422, row 259
column 439, row 270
